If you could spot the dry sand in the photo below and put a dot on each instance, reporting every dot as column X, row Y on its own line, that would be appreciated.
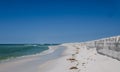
column 77, row 58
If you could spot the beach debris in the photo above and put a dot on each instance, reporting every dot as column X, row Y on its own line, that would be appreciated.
column 73, row 68
column 72, row 59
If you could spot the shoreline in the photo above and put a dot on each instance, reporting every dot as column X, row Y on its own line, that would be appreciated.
column 31, row 63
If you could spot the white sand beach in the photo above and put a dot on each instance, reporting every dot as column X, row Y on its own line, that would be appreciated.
column 69, row 57
column 77, row 58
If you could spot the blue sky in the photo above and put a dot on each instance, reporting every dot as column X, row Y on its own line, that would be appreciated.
column 58, row 21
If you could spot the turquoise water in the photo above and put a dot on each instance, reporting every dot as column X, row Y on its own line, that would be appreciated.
column 16, row 50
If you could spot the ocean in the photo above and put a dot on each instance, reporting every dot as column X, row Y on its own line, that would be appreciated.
column 10, row 51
